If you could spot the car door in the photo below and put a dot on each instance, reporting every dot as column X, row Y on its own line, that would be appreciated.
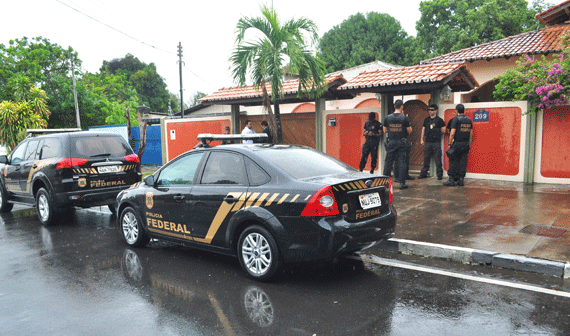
column 28, row 163
column 12, row 171
column 222, row 186
column 166, row 202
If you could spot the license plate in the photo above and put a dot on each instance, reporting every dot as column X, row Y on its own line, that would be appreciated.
column 368, row 201
column 108, row 169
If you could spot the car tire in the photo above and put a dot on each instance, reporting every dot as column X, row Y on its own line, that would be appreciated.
column 130, row 225
column 258, row 253
column 5, row 206
column 45, row 207
column 113, row 208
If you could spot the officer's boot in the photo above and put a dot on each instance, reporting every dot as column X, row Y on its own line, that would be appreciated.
column 449, row 183
column 460, row 182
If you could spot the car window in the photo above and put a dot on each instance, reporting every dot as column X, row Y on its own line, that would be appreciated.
column 302, row 162
column 32, row 150
column 18, row 153
column 255, row 174
column 224, row 168
column 181, row 171
column 100, row 146
column 49, row 148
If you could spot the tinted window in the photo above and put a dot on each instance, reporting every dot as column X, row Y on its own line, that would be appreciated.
column 181, row 171
column 255, row 174
column 32, row 150
column 18, row 153
column 302, row 163
column 99, row 146
column 224, row 168
column 50, row 148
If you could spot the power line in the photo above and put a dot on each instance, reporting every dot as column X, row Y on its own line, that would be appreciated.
column 205, row 81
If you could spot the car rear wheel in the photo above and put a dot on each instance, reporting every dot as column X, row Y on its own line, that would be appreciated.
column 258, row 253
column 45, row 207
column 131, row 228
column 5, row 206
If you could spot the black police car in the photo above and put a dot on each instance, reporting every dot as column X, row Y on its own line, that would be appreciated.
column 60, row 170
column 265, row 204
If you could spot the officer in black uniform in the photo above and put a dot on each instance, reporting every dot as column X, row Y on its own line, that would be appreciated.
column 460, row 142
column 267, row 131
column 372, row 133
column 433, row 128
column 397, row 128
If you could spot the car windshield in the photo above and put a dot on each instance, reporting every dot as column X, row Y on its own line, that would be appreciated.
column 302, row 163
column 99, row 147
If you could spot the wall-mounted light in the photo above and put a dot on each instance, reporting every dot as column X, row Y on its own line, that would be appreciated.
column 445, row 93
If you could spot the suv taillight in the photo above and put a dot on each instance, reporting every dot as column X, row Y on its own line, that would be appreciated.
column 132, row 158
column 322, row 203
column 391, row 192
column 70, row 163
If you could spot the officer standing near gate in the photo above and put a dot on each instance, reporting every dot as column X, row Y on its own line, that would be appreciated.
column 432, row 130
column 397, row 128
column 372, row 133
column 460, row 144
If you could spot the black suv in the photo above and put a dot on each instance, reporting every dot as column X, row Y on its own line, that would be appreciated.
column 56, row 172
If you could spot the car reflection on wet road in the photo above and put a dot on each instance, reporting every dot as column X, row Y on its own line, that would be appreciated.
column 77, row 277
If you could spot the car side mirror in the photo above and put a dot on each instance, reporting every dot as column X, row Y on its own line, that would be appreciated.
column 149, row 180
column 3, row 159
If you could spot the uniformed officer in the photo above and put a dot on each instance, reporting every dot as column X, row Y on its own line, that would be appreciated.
column 372, row 133
column 433, row 128
column 460, row 143
column 407, row 168
column 397, row 128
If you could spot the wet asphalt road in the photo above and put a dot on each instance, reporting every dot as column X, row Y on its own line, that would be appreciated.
column 79, row 278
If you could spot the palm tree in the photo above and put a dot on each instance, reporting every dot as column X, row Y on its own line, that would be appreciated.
column 275, row 47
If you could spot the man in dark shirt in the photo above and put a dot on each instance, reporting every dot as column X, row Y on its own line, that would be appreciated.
column 433, row 128
column 372, row 133
column 267, row 131
column 460, row 143
column 397, row 128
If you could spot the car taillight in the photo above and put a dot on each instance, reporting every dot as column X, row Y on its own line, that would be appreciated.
column 133, row 158
column 322, row 203
column 70, row 163
column 391, row 192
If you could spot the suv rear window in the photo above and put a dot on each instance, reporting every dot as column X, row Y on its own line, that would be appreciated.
column 96, row 146
column 302, row 163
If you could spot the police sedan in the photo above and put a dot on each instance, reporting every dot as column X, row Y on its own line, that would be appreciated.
column 265, row 204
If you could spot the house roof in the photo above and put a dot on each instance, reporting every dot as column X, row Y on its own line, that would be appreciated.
column 249, row 95
column 555, row 14
column 542, row 41
column 414, row 79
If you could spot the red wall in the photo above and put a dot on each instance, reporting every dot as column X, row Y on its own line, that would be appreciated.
column 495, row 148
column 345, row 140
column 187, row 134
column 555, row 160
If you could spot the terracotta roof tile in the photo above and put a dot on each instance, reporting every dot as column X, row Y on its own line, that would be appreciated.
column 541, row 41
column 406, row 75
column 246, row 92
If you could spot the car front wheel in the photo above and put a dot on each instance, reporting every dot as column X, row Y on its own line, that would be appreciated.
column 5, row 206
column 45, row 207
column 131, row 228
column 258, row 253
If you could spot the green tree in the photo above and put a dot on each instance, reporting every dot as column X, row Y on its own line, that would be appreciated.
column 29, row 111
column 363, row 39
column 194, row 100
column 150, row 86
column 449, row 25
column 264, row 57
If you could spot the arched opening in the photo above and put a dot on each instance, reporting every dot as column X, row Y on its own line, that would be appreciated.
column 304, row 108
column 370, row 102
column 484, row 93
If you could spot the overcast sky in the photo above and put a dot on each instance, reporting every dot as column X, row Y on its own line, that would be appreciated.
column 155, row 27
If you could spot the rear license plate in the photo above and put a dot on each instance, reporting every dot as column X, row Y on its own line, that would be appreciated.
column 368, row 201
column 108, row 169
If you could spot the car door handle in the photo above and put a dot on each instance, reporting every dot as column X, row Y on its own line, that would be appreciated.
column 179, row 198
column 230, row 199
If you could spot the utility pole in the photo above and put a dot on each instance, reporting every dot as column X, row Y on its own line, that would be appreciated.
column 75, row 94
column 180, row 69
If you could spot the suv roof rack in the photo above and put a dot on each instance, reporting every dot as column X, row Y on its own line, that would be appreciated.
column 212, row 137
column 51, row 130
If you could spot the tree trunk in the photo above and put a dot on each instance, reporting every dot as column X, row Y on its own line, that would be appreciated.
column 129, row 133
column 279, row 129
column 142, row 142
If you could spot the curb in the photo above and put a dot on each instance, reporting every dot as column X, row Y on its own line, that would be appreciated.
column 473, row 256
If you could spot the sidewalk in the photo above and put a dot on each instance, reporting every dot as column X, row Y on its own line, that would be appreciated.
column 506, row 224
